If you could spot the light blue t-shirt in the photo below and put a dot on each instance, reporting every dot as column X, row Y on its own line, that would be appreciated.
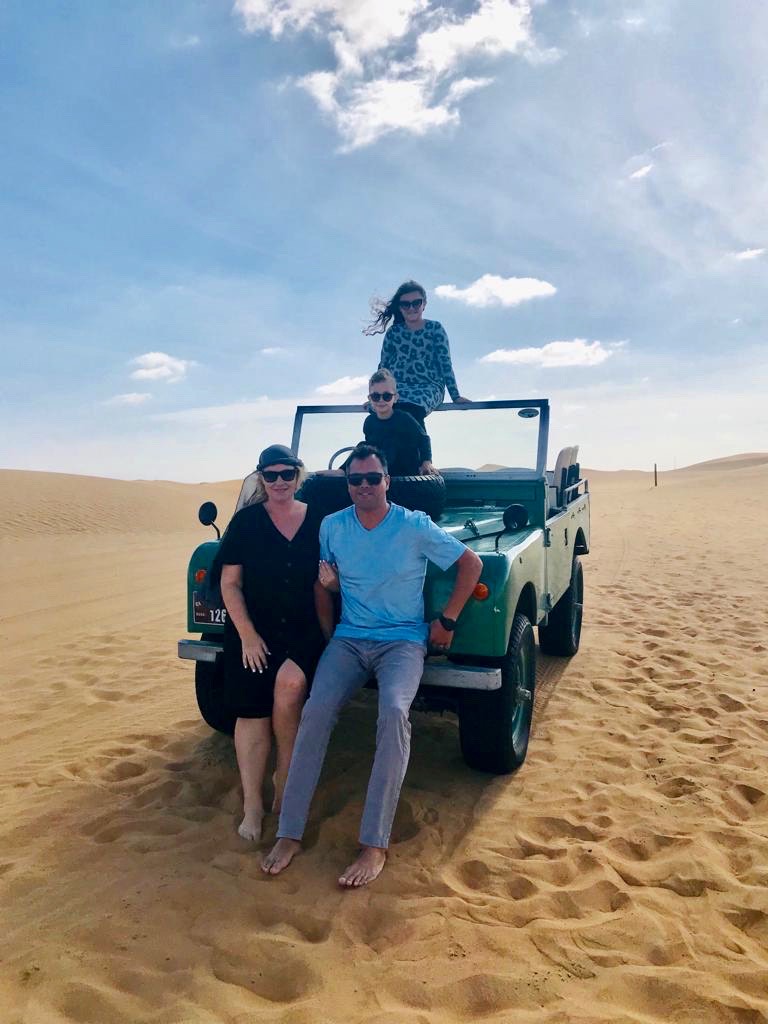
column 381, row 571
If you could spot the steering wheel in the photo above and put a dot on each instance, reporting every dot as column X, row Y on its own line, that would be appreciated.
column 349, row 448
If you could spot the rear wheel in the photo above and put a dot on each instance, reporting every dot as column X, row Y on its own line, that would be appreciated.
column 562, row 634
column 494, row 727
column 208, row 689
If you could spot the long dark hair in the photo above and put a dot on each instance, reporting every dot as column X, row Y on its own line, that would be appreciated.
column 384, row 312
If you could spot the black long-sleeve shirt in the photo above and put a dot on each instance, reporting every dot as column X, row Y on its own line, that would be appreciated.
column 404, row 442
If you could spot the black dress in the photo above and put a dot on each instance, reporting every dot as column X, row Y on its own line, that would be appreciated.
column 278, row 587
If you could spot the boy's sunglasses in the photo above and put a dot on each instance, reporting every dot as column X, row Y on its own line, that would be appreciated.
column 413, row 304
column 381, row 396
column 356, row 479
column 270, row 475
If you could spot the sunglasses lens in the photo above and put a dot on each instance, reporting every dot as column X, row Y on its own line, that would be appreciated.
column 271, row 475
column 381, row 396
column 373, row 479
column 413, row 304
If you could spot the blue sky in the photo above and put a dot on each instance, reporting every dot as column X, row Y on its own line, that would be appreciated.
column 199, row 199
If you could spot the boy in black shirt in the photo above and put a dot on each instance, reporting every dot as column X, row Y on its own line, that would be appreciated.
column 404, row 441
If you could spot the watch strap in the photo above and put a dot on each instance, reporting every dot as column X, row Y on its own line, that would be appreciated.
column 446, row 623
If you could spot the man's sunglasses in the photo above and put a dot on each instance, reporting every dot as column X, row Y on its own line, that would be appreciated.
column 413, row 304
column 271, row 475
column 356, row 479
column 381, row 396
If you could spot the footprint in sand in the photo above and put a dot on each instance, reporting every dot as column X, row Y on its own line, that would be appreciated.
column 277, row 978
column 729, row 704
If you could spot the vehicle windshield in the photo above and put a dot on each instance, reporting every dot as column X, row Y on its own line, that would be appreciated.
column 483, row 437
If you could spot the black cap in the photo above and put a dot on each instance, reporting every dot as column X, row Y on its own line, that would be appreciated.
column 278, row 453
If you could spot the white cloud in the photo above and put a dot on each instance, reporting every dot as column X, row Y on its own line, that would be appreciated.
column 747, row 254
column 160, row 366
column 235, row 414
column 343, row 386
column 578, row 352
column 641, row 172
column 185, row 42
column 497, row 27
column 132, row 398
column 492, row 290
column 274, row 350
column 368, row 24
column 389, row 77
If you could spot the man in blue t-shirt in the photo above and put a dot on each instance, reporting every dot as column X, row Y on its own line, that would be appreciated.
column 380, row 551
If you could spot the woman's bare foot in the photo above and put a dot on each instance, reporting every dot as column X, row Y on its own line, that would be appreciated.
column 280, row 856
column 250, row 826
column 365, row 869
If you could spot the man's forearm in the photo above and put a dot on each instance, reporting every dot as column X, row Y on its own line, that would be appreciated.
column 468, row 571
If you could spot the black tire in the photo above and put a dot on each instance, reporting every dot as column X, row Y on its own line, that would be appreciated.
column 327, row 494
column 562, row 634
column 208, row 690
column 495, row 726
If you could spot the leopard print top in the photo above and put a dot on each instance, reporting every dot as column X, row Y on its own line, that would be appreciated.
column 420, row 362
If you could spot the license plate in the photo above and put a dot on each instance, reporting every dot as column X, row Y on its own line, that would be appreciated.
column 204, row 614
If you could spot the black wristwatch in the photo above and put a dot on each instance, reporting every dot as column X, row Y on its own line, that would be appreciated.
column 446, row 623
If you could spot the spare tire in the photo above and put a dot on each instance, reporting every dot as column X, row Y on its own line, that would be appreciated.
column 326, row 494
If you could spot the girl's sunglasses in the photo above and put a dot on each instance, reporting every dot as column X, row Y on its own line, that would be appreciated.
column 381, row 396
column 413, row 304
column 356, row 479
column 271, row 475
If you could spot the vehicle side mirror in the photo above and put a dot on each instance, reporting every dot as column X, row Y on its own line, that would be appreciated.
column 207, row 515
column 514, row 517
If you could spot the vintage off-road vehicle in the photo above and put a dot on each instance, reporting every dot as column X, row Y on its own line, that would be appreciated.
column 529, row 525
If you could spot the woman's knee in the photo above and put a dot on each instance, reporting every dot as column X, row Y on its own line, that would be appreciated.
column 290, row 685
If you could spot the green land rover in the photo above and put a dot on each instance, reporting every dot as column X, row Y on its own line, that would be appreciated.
column 529, row 525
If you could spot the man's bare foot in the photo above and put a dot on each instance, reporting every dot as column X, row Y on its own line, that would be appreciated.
column 280, row 856
column 367, row 867
column 250, row 826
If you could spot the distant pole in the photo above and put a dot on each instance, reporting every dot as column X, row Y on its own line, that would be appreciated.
column 655, row 476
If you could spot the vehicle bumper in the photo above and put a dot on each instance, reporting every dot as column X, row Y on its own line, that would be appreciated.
column 437, row 672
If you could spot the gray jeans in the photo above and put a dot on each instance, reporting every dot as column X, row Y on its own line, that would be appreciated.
column 346, row 665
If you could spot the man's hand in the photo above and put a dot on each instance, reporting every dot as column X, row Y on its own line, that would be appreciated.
column 427, row 469
column 440, row 638
column 328, row 575
column 255, row 653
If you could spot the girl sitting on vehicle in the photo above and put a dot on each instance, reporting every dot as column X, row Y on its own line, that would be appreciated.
column 415, row 351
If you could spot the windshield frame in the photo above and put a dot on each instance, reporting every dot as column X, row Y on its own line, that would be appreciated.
column 462, row 408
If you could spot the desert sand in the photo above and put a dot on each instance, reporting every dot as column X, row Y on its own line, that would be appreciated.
column 620, row 876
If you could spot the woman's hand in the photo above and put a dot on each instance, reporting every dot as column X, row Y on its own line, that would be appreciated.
column 255, row 653
column 328, row 576
column 461, row 400
column 427, row 469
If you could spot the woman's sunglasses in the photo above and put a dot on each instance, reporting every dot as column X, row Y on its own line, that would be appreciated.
column 413, row 304
column 356, row 479
column 271, row 475
column 381, row 396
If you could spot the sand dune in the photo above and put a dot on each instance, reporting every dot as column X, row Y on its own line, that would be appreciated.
column 620, row 876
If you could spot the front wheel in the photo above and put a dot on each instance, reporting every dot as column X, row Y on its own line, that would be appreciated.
column 494, row 727
column 208, row 690
column 562, row 634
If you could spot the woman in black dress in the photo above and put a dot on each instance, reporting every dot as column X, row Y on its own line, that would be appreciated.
column 272, row 641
